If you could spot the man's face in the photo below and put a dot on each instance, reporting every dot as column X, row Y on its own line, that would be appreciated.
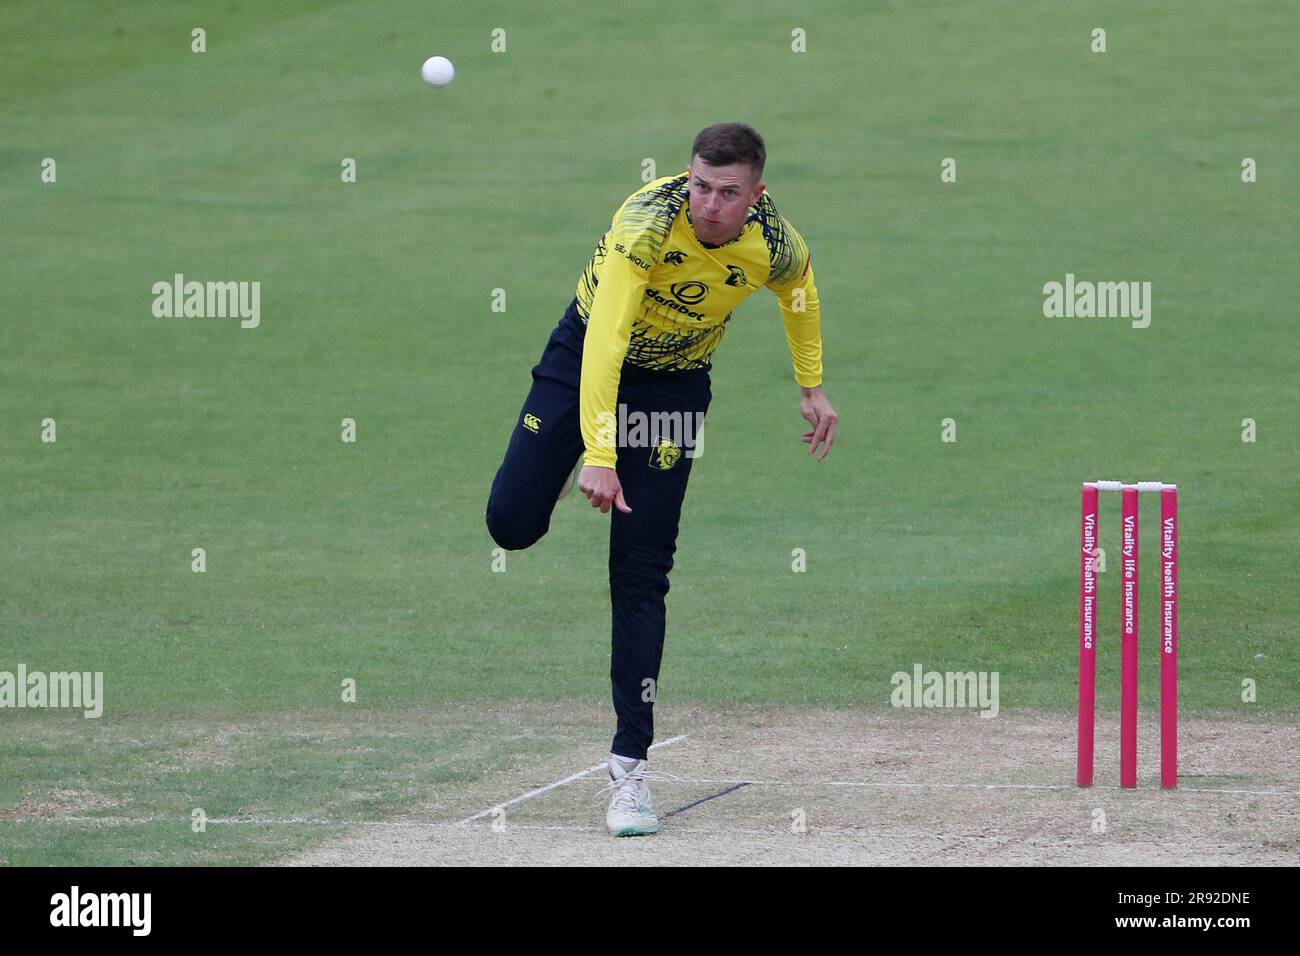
column 720, row 197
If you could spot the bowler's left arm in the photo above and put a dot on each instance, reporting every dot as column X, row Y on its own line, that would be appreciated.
column 796, row 290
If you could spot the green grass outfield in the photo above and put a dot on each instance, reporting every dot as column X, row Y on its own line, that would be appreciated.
column 370, row 561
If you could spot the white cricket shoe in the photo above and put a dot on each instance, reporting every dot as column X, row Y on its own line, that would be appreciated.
column 570, row 481
column 630, row 813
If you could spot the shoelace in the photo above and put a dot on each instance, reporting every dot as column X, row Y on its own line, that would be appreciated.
column 626, row 790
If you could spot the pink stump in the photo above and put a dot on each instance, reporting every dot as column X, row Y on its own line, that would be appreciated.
column 1087, row 633
column 1169, row 638
column 1128, row 661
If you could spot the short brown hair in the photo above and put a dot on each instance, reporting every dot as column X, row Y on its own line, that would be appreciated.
column 725, row 144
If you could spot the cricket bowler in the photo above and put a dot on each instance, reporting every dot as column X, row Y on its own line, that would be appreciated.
column 623, row 383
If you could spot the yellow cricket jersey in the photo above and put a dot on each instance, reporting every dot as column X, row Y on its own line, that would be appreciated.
column 655, row 296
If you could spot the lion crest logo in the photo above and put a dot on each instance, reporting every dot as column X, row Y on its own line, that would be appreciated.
column 665, row 455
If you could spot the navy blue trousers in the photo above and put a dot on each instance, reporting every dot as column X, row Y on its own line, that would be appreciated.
column 544, row 448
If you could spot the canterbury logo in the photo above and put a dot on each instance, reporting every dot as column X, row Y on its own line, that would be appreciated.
column 737, row 276
column 675, row 258
column 664, row 455
column 532, row 422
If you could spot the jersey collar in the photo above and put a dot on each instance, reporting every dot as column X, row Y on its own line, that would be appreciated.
column 753, row 216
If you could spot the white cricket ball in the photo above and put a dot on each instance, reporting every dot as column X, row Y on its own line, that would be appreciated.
column 438, row 71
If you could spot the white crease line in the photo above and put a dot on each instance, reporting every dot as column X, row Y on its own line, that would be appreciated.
column 224, row 821
column 900, row 785
column 1245, row 793
column 559, row 783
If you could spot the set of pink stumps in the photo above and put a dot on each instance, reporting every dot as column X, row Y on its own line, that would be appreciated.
column 1088, row 545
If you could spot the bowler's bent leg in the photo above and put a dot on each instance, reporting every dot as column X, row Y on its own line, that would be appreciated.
column 543, row 450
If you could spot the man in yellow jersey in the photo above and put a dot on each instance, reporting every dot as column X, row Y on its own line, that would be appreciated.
column 624, row 381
